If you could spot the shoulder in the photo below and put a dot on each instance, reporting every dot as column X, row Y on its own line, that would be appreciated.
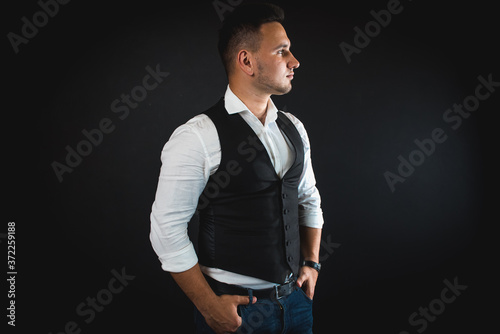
column 197, row 136
column 292, row 118
column 298, row 125
column 198, row 126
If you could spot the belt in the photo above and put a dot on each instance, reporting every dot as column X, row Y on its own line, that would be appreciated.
column 276, row 292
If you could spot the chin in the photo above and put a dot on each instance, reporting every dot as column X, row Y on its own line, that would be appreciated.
column 282, row 90
column 286, row 90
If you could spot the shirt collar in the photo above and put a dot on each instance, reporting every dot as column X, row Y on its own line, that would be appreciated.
column 234, row 105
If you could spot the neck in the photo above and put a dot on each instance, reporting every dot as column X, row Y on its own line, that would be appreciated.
column 257, row 103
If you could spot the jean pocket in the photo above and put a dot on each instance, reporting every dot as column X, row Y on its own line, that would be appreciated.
column 305, row 295
column 240, row 309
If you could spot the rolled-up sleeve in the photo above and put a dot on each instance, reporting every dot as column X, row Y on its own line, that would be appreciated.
column 310, row 212
column 184, row 173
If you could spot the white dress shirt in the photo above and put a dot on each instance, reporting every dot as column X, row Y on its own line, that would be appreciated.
column 190, row 156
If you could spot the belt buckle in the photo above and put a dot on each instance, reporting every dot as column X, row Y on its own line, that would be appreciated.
column 278, row 297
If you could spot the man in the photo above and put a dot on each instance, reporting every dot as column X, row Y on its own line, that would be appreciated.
column 247, row 168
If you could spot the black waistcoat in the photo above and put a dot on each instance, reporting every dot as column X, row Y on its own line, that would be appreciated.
column 248, row 215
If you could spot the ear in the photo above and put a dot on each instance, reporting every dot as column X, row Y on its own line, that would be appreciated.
column 245, row 62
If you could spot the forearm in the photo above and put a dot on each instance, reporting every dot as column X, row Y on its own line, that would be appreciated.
column 195, row 286
column 220, row 312
column 310, row 241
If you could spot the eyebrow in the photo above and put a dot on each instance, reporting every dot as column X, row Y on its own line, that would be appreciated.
column 284, row 45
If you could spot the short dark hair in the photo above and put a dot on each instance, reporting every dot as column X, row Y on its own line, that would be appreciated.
column 241, row 29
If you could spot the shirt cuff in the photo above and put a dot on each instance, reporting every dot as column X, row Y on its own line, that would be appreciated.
column 311, row 219
column 179, row 261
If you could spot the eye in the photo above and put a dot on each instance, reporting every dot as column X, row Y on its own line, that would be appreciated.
column 281, row 52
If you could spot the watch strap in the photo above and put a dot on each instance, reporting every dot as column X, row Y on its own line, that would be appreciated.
column 312, row 264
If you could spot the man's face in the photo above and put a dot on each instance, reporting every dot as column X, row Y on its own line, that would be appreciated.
column 275, row 62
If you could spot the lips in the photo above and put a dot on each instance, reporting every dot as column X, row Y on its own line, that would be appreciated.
column 290, row 75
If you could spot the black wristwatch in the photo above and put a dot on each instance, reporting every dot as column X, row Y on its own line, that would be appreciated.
column 312, row 264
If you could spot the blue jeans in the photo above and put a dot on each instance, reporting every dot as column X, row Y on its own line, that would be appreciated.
column 290, row 315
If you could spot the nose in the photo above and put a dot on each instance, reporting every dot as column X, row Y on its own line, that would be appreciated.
column 293, row 62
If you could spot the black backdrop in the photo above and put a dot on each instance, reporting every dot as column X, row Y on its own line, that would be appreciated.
column 385, row 253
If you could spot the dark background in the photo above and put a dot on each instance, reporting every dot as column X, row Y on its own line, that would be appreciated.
column 393, row 250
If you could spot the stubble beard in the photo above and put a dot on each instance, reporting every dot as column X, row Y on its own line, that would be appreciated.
column 271, row 86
